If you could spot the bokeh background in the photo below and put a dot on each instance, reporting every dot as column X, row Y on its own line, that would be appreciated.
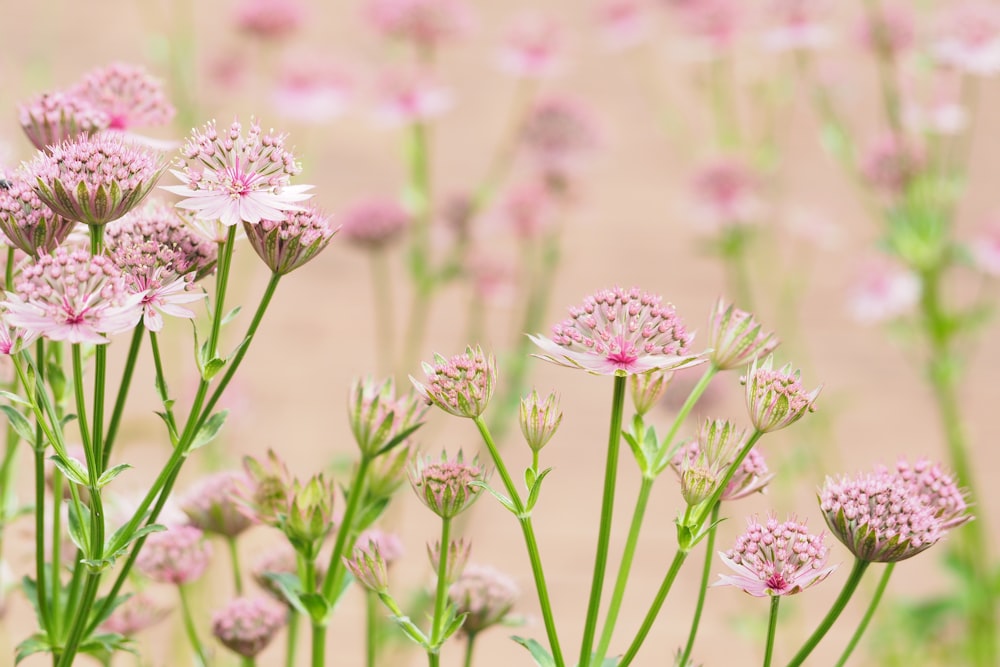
column 630, row 224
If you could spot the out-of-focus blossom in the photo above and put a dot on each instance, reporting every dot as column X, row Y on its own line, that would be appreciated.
column 735, row 337
column 248, row 624
column 985, row 251
column 485, row 594
column 426, row 24
column 494, row 278
column 231, row 177
column 212, row 505
column 812, row 226
column 530, row 210
column 375, row 222
column 458, row 556
column 369, row 568
column 725, row 195
column 177, row 555
column 447, row 486
column 138, row 612
column 128, row 94
column 647, row 389
column 716, row 23
column 270, row 19
column 890, row 29
column 884, row 291
column 53, row 118
column 623, row 23
column 937, row 487
column 179, row 248
column 775, row 398
column 776, row 559
column 408, row 97
column 388, row 544
column 313, row 91
column 532, row 47
column 96, row 179
column 944, row 113
column 969, row 37
column 797, row 25
column 462, row 385
column 288, row 244
column 889, row 165
column 751, row 477
column 558, row 134
column 26, row 222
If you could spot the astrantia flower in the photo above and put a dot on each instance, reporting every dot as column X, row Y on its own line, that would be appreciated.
column 725, row 194
column 446, row 485
column 462, row 385
column 485, row 594
column 179, row 247
column 458, row 556
column 776, row 559
column 13, row 339
column 248, row 624
column 97, row 179
column 558, row 133
column 776, row 399
column 134, row 615
column 539, row 419
column 796, row 25
column 889, row 29
column 53, row 118
column 212, row 504
column 532, row 47
column 128, row 94
column 884, row 291
column 937, row 488
column 529, row 208
column 969, row 38
column 619, row 332
column 269, row 19
column 647, row 389
column 702, row 464
column 26, row 222
column 388, row 544
column 889, row 166
column 426, row 24
column 368, row 566
column 289, row 243
column 880, row 517
column 407, row 97
column 379, row 417
column 72, row 296
column 177, row 555
column 312, row 91
column 736, row 338
column 231, row 177
column 374, row 223
column 751, row 477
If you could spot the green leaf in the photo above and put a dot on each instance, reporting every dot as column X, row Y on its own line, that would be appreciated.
column 14, row 398
column 20, row 424
column 79, row 527
column 536, row 488
column 504, row 500
column 290, row 588
column 400, row 437
column 105, row 613
column 316, row 606
column 107, row 642
column 119, row 541
column 209, row 430
column 529, row 478
column 231, row 315
column 110, row 474
column 37, row 643
column 412, row 631
column 538, row 652
column 71, row 468
column 212, row 368
column 454, row 625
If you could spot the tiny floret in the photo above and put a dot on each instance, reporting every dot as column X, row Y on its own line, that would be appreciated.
column 53, row 118
column 26, row 222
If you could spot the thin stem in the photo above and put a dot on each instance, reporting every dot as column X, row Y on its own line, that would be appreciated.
column 318, row 645
column 292, row 638
column 470, row 645
column 335, row 570
column 866, row 619
column 40, row 578
column 705, row 573
column 221, row 282
column 654, row 609
column 161, row 381
column 853, row 579
column 57, row 496
column 123, row 390
column 607, row 511
column 441, row 591
column 682, row 414
column 383, row 309
column 190, row 628
column 371, row 628
column 100, row 382
column 772, row 626
column 234, row 558
column 624, row 569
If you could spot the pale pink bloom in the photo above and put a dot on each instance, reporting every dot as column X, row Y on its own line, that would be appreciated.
column 53, row 118
column 937, row 487
column 447, row 486
column 529, row 210
column 96, row 179
column 369, row 568
column 232, row 177
column 458, row 556
column 211, row 504
column 623, row 23
column 892, row 29
column 493, row 278
column 985, row 250
column 726, row 194
column 128, row 94
column 776, row 399
column 408, row 97
column 969, row 37
column 558, row 134
column 13, row 339
column 375, row 222
column 776, row 559
column 889, row 166
column 939, row 109
column 424, row 23
column 269, row 19
column 26, row 222
column 248, row 624
column 288, row 244
column 813, row 227
column 379, row 417
column 485, row 594
column 462, row 385
column 884, row 291
column 312, row 91
column 178, row 247
column 178, row 555
column 532, row 47
column 717, row 23
column 138, row 612
column 619, row 332
column 797, row 25
column 388, row 544
column 736, row 337
column 72, row 296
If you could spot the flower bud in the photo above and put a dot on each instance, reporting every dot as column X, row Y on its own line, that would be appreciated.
column 539, row 421
column 647, row 389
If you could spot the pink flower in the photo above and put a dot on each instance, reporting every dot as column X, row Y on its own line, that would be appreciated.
column 558, row 134
column 776, row 559
column 796, row 25
column 233, row 178
column 447, row 486
column 27, row 223
column 531, row 48
column 248, row 624
column 726, row 195
column 72, row 296
column 179, row 248
column 270, row 19
column 138, row 612
column 529, row 209
column 288, row 244
column 969, row 38
column 485, row 594
column 408, row 97
column 775, row 398
column 128, row 94
column 884, row 291
column 985, row 250
column 380, row 419
column 312, row 91
column 619, row 332
column 751, row 477
column 426, row 24
column 624, row 23
column 53, row 118
column 461, row 386
column 178, row 555
column 374, row 223
column 944, row 112
column 891, row 29
column 736, row 338
column 889, row 166
column 212, row 506
column 936, row 487
column 715, row 22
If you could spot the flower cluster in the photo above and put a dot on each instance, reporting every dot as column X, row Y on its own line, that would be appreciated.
column 177, row 555
column 53, row 118
column 776, row 399
column 26, row 222
column 290, row 242
column 485, row 594
column 247, row 625
column 212, row 506
column 379, row 418
column 447, row 486
column 127, row 94
column 462, row 385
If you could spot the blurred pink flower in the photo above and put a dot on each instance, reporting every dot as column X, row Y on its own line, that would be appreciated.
column 532, row 47
column 985, row 250
column 944, row 112
column 623, row 23
column 797, row 25
column 375, row 222
column 177, row 555
column 529, row 209
column 717, row 23
column 211, row 504
column 389, row 546
column 407, row 97
column 888, row 165
column 270, row 19
column 26, row 222
column 558, row 134
column 726, row 194
column 128, row 94
column 884, row 291
column 424, row 23
column 138, row 612
column 53, row 118
column 485, row 594
column 312, row 91
column 246, row 625
column 891, row 29
column 969, row 37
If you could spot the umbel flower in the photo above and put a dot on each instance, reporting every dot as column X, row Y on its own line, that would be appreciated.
column 369, row 567
column 29, row 224
column 558, row 133
column 52, row 118
column 138, row 612
column 248, row 624
column 458, row 556
column 424, row 23
column 775, row 559
column 447, row 486
column 462, row 385
column 231, row 177
column 177, row 555
column 619, row 332
column 289, row 243
column 714, row 450
column 374, row 223
column 485, row 594
column 269, row 19
column 735, row 337
column 128, row 95
column 179, row 248
column 380, row 420
column 776, row 399
column 73, row 296
column 97, row 179
column 211, row 504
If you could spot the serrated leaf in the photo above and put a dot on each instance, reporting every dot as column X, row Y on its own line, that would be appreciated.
column 20, row 424
column 71, row 468
column 37, row 643
column 538, row 652
column 209, row 430
column 110, row 474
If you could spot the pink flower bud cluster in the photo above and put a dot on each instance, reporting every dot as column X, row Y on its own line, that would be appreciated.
column 776, row 398
column 485, row 594
column 127, row 94
column 26, row 222
column 291, row 242
column 462, row 385
column 248, row 624
column 446, row 486
column 53, row 118
column 374, row 223
column 212, row 505
column 177, row 555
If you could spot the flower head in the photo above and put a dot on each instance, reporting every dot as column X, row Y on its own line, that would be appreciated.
column 269, row 19
column 231, row 177
column 776, row 559
column 26, row 222
column 138, row 612
column 735, row 337
column 889, row 165
column 405, row 97
column 248, row 624
column 288, row 244
column 647, row 389
column 312, row 91
column 447, row 486
column 969, row 39
column 177, row 555
column 53, row 118
column 381, row 420
column 558, row 133
column 485, row 594
column 97, row 179
column 531, row 48
column 890, row 29
column 539, row 420
column 426, row 24
column 180, row 250
column 374, row 223
column 458, row 556
column 369, row 567
column 725, row 195
column 883, row 292
column 776, row 399
column 936, row 487
column 211, row 504
column 796, row 25
column 73, row 296
column 128, row 94
column 624, row 23
column 707, row 452
column 619, row 332
column 462, row 385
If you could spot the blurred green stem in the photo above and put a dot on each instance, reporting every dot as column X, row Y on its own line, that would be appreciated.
column 866, row 619
column 853, row 579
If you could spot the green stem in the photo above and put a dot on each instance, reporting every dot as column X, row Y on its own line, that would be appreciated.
column 470, row 645
column 866, row 619
column 772, row 626
column 853, row 579
column 705, row 573
column 383, row 308
column 123, row 390
column 371, row 628
column 100, row 382
column 292, row 638
column 190, row 628
column 161, row 382
column 221, row 283
column 234, row 558
column 624, row 569
column 667, row 450
column 709, row 505
column 654, row 609
column 607, row 511
column 248, row 662
column 531, row 544
column 441, row 591
column 57, row 497
column 421, row 272
column 318, row 645
column 335, row 570
column 40, row 578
